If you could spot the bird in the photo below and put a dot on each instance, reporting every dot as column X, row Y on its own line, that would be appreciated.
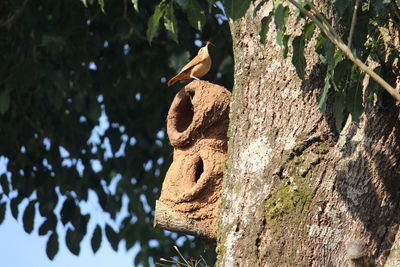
column 196, row 68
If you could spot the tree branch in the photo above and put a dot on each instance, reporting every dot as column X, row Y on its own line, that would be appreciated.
column 322, row 19
column 333, row 37
column 353, row 23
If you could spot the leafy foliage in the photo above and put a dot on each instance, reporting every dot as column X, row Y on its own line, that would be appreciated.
column 83, row 102
column 195, row 15
column 73, row 240
column 29, row 216
column 96, row 239
column 52, row 246
column 49, row 223
column 298, row 59
column 112, row 237
column 341, row 76
column 281, row 15
column 170, row 23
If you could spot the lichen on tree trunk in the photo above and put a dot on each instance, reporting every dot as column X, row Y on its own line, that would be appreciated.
column 295, row 192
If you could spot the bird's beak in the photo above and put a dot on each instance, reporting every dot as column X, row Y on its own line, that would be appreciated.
column 208, row 43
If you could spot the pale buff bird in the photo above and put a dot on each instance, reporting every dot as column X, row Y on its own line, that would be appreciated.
column 196, row 68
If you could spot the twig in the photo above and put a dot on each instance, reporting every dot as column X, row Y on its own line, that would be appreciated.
column 322, row 19
column 346, row 50
column 183, row 258
column 328, row 32
column 353, row 23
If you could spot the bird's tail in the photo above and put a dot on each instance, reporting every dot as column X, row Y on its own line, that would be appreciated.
column 173, row 80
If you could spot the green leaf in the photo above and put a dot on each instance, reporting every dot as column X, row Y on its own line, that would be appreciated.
column 338, row 109
column 337, row 57
column 4, row 184
column 298, row 59
column 153, row 22
column 285, row 45
column 44, row 228
column 308, row 31
column 101, row 4
column 354, row 94
column 14, row 207
column 196, row 15
column 68, row 211
column 342, row 71
column 135, row 5
column 80, row 223
column 96, row 239
column 73, row 239
column 265, row 27
column 398, row 3
column 3, row 208
column 324, row 93
column 4, row 101
column 373, row 87
column 281, row 16
column 29, row 216
column 84, row 3
column 170, row 22
column 329, row 52
column 49, row 224
column 52, row 246
column 47, row 205
column 112, row 237
column 235, row 9
column 114, row 136
column 130, row 239
column 319, row 47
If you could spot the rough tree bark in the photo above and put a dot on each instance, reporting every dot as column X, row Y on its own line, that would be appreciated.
column 296, row 193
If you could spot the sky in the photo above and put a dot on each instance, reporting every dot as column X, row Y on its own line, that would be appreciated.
column 19, row 249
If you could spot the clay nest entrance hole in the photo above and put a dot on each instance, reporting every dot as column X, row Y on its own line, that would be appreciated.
column 185, row 112
column 199, row 169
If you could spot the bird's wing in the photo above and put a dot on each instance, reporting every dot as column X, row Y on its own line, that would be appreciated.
column 196, row 60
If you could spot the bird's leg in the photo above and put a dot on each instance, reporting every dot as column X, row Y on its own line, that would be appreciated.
column 194, row 78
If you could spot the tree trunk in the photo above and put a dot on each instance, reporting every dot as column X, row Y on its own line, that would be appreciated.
column 295, row 192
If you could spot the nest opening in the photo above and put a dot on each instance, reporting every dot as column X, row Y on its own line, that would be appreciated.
column 185, row 113
column 199, row 169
